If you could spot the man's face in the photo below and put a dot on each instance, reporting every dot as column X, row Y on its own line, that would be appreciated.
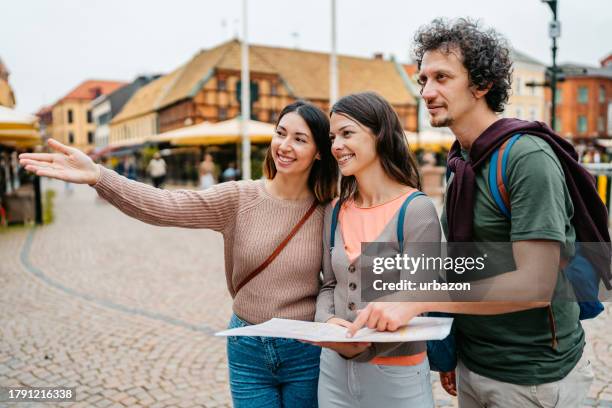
column 445, row 87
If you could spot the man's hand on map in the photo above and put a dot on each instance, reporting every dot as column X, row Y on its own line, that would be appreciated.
column 348, row 350
column 385, row 316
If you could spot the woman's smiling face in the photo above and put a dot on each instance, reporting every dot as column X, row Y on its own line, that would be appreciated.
column 293, row 147
column 353, row 144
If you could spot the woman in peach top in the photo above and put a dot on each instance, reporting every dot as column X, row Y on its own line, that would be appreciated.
column 379, row 175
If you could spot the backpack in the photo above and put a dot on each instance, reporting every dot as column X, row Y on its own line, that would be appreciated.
column 441, row 353
column 578, row 270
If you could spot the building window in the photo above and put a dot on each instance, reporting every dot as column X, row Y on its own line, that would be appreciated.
column 557, row 124
column 519, row 113
column 70, row 116
column 583, row 94
column 273, row 90
column 104, row 119
column 558, row 96
column 90, row 137
column 518, row 86
column 600, row 124
column 222, row 113
column 582, row 124
column 221, row 85
column 89, row 118
column 602, row 94
column 273, row 116
column 70, row 138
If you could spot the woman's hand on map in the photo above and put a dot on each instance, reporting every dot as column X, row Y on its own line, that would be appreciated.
column 347, row 350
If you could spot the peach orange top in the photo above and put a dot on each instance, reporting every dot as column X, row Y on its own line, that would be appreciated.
column 365, row 225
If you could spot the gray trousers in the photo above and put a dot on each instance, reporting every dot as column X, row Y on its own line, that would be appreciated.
column 348, row 384
column 476, row 391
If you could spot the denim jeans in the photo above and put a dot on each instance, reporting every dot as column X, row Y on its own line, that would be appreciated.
column 272, row 372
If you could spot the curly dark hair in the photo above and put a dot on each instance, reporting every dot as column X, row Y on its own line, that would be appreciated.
column 485, row 54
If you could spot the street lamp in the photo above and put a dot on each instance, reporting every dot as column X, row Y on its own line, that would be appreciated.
column 554, row 32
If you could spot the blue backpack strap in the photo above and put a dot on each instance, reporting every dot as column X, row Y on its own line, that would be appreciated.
column 334, row 224
column 499, row 196
column 402, row 215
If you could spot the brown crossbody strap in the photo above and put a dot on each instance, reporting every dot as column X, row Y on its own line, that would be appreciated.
column 279, row 248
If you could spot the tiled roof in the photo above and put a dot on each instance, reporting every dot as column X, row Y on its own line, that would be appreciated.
column 7, row 97
column 91, row 89
column 148, row 98
column 306, row 73
column 580, row 70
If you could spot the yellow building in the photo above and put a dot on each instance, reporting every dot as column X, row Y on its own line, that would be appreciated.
column 7, row 96
column 527, row 102
column 71, row 115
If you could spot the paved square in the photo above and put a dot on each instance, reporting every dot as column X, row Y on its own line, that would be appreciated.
column 125, row 311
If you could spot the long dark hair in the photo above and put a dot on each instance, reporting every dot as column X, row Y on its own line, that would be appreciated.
column 323, row 177
column 374, row 112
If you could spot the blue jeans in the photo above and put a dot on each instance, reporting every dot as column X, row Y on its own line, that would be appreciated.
column 271, row 372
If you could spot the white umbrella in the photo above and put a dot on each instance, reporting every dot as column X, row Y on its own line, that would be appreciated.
column 207, row 133
column 18, row 128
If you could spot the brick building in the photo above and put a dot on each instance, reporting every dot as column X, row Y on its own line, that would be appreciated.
column 584, row 102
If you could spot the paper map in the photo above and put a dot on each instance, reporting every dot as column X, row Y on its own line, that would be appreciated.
column 419, row 328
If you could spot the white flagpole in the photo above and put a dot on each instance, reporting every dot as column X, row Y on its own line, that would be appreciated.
column 245, row 97
column 333, row 60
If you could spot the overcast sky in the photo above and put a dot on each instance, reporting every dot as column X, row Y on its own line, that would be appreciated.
column 51, row 46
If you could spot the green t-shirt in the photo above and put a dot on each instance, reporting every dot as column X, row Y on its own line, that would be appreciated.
column 517, row 347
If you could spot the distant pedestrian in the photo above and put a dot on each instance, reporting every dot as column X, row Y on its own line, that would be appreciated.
column 127, row 168
column 157, row 170
column 230, row 173
column 596, row 157
column 207, row 172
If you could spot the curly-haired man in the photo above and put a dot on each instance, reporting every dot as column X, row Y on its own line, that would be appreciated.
column 512, row 353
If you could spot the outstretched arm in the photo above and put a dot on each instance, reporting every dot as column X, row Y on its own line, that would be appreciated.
column 212, row 209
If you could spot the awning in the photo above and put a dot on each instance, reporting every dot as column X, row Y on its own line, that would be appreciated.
column 607, row 143
column 18, row 129
column 207, row 133
column 430, row 140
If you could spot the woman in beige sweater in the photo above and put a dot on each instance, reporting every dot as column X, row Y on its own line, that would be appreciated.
column 254, row 217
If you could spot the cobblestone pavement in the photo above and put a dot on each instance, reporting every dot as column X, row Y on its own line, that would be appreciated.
column 125, row 312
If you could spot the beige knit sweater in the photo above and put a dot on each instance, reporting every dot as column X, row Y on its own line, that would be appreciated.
column 252, row 223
